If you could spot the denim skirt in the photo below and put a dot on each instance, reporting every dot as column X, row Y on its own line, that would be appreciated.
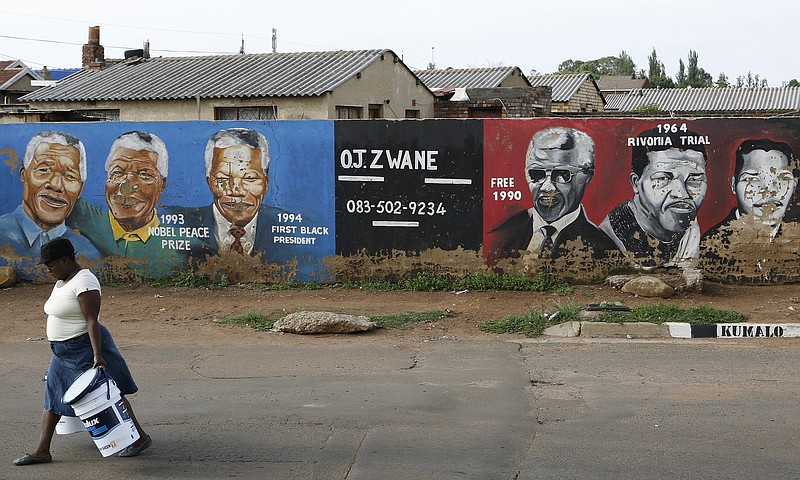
column 73, row 357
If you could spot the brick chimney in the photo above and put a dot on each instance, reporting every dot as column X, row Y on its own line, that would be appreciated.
column 93, row 53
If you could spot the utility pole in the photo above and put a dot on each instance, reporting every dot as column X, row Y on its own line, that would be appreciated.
column 274, row 40
column 241, row 50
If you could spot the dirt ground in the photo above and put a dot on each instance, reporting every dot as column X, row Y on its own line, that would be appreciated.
column 165, row 316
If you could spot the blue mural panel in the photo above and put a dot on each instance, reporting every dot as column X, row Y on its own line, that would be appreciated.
column 169, row 196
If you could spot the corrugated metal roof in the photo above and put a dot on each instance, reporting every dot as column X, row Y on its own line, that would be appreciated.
column 242, row 75
column 489, row 77
column 621, row 82
column 564, row 86
column 707, row 99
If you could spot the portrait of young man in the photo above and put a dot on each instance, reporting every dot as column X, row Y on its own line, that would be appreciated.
column 764, row 182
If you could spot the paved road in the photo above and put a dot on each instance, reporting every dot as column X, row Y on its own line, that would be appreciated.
column 449, row 409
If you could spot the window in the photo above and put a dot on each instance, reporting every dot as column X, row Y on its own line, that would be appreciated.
column 348, row 113
column 375, row 110
column 485, row 112
column 246, row 113
column 412, row 113
column 106, row 115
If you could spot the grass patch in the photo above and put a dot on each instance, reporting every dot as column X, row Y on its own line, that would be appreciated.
column 431, row 282
column 294, row 286
column 373, row 285
column 661, row 312
column 251, row 319
column 403, row 321
column 191, row 280
column 533, row 323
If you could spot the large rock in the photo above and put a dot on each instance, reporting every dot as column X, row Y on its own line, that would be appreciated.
column 692, row 279
column 566, row 329
column 8, row 277
column 323, row 322
column 618, row 281
column 646, row 286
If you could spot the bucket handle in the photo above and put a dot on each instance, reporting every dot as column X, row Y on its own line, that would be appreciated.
column 107, row 379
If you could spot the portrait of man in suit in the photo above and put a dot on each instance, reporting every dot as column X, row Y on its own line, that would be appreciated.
column 237, row 166
column 53, row 174
column 237, row 162
column 559, row 164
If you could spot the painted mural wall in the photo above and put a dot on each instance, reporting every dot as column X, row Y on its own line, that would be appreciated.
column 326, row 201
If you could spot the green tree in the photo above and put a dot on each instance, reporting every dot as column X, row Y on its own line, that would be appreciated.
column 751, row 81
column 793, row 83
column 611, row 65
column 657, row 73
column 626, row 65
column 682, row 80
column 695, row 75
column 570, row 66
column 722, row 81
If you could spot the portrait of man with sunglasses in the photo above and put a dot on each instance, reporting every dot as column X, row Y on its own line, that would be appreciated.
column 559, row 164
column 658, row 226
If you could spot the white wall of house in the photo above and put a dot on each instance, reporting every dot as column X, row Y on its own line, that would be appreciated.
column 516, row 80
column 380, row 81
column 288, row 108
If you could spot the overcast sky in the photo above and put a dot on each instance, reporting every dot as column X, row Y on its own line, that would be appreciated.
column 731, row 36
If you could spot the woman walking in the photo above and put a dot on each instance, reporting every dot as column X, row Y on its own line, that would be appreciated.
column 78, row 342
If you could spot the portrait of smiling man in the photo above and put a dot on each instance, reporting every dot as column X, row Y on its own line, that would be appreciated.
column 559, row 164
column 53, row 174
column 137, row 168
column 659, row 224
column 237, row 166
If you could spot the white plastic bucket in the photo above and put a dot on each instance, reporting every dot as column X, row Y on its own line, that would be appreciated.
column 96, row 400
column 68, row 425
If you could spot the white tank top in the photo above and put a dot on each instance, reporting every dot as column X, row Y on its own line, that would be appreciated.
column 64, row 316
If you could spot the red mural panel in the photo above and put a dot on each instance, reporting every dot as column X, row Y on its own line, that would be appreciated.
column 508, row 193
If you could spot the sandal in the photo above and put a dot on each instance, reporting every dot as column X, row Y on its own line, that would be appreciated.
column 132, row 451
column 29, row 459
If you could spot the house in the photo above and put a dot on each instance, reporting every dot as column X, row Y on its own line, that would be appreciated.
column 613, row 84
column 446, row 81
column 572, row 93
column 262, row 86
column 501, row 92
column 709, row 101
column 15, row 81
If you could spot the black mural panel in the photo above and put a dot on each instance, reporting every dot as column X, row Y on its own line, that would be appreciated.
column 408, row 185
